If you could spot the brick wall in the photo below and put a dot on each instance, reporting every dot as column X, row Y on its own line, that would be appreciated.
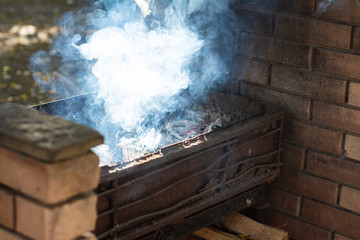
column 306, row 60
column 47, row 176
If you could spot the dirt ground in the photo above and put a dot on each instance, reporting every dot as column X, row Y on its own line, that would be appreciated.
column 26, row 26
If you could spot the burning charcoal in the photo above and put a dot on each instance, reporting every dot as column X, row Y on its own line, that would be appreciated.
column 185, row 127
column 182, row 129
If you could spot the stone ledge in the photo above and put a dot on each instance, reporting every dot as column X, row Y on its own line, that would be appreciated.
column 42, row 136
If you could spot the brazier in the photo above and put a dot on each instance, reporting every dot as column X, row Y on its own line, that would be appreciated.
column 190, row 184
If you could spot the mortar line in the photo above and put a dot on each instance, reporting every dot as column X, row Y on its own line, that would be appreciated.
column 339, row 194
column 311, row 59
column 343, row 142
column 301, row 207
column 269, row 74
column 310, row 110
column 306, row 157
column 332, row 236
column 352, row 37
column 14, row 211
column 347, row 91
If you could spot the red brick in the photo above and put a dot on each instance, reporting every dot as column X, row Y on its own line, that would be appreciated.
column 339, row 237
column 313, row 137
column 350, row 199
column 297, row 230
column 343, row 11
column 49, row 183
column 7, row 235
column 312, row 31
column 284, row 202
column 295, row 106
column 326, row 166
column 253, row 70
column 307, row 185
column 294, row 6
column 352, row 147
column 336, row 116
column 254, row 21
column 42, row 136
column 354, row 94
column 331, row 218
column 62, row 222
column 293, row 156
column 310, row 84
column 337, row 63
column 275, row 50
column 6, row 209
column 356, row 39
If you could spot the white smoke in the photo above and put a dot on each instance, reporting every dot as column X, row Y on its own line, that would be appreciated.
column 325, row 4
column 138, row 67
column 138, row 71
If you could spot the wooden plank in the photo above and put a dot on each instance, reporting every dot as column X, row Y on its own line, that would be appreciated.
column 211, row 215
column 243, row 225
column 214, row 234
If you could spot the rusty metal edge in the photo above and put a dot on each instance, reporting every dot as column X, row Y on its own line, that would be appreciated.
column 203, row 141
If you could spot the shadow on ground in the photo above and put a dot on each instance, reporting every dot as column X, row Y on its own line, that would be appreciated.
column 26, row 26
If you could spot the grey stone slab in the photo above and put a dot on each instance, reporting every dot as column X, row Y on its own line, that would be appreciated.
column 42, row 136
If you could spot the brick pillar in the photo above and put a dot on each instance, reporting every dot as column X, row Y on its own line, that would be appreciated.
column 47, row 176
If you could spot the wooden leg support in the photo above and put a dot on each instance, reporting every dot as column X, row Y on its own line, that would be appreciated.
column 241, row 228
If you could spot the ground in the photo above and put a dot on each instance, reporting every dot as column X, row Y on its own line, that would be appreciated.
column 26, row 26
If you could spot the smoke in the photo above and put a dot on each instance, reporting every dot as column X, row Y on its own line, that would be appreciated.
column 325, row 4
column 137, row 69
